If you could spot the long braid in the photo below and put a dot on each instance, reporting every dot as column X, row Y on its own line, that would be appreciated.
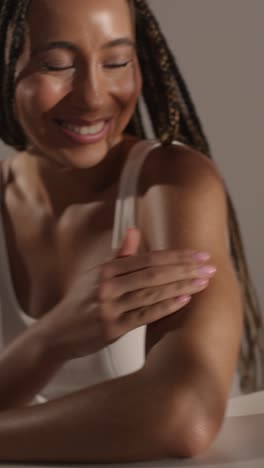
column 15, row 12
column 162, row 78
column 14, row 52
column 173, row 116
column 6, row 13
column 251, row 362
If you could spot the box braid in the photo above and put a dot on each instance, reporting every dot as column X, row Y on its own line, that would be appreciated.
column 11, row 13
column 172, row 115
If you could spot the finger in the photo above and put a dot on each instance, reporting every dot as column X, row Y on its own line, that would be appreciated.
column 153, row 277
column 124, row 265
column 145, row 315
column 130, row 243
column 150, row 296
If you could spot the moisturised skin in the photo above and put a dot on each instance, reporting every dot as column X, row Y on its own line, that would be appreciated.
column 78, row 80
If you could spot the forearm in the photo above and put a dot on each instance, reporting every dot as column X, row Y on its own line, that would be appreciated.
column 25, row 368
column 169, row 408
column 119, row 420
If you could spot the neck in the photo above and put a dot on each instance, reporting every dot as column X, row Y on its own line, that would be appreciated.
column 65, row 187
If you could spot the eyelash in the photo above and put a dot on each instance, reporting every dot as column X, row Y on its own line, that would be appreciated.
column 51, row 68
column 117, row 65
column 111, row 66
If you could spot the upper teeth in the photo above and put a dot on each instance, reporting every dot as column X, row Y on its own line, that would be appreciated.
column 85, row 130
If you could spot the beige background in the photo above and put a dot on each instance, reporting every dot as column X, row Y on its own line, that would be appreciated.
column 219, row 47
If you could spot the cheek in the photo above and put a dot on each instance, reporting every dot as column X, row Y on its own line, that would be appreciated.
column 37, row 95
column 128, row 87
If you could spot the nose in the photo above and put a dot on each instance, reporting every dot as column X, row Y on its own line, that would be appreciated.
column 89, row 89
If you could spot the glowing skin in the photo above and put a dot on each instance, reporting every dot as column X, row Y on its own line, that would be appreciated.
column 78, row 79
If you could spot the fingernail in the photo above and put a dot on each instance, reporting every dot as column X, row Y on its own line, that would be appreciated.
column 199, row 283
column 201, row 256
column 183, row 299
column 207, row 270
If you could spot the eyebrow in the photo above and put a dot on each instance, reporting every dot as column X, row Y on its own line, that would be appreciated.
column 122, row 41
column 54, row 45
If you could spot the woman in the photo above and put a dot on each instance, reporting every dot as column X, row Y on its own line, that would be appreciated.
column 74, row 311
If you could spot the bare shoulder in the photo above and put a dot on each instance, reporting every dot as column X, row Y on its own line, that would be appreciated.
column 181, row 167
column 183, row 192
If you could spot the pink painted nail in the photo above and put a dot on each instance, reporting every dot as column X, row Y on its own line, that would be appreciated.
column 183, row 299
column 207, row 270
column 201, row 256
column 199, row 283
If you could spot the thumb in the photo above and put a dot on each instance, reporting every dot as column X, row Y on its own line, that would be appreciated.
column 130, row 243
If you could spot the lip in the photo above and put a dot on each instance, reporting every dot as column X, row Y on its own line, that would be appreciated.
column 84, row 139
column 82, row 122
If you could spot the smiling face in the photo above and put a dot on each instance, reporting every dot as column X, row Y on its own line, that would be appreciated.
column 78, row 79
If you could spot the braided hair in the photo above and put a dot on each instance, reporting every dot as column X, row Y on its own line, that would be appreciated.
column 176, row 118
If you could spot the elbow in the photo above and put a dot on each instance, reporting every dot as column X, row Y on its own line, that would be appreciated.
column 195, row 440
column 192, row 435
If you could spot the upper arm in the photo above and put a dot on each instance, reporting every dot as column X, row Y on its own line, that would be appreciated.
column 200, row 344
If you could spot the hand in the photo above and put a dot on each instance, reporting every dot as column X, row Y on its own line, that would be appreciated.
column 126, row 292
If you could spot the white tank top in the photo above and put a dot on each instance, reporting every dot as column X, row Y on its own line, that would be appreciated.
column 124, row 356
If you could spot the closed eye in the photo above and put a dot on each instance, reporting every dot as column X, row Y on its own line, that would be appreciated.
column 117, row 65
column 53, row 68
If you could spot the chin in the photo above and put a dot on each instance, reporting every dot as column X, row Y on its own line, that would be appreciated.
column 70, row 155
column 84, row 157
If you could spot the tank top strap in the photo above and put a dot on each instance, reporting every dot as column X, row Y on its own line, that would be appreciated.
column 125, row 207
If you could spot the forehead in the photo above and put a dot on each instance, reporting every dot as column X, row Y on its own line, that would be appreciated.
column 73, row 19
